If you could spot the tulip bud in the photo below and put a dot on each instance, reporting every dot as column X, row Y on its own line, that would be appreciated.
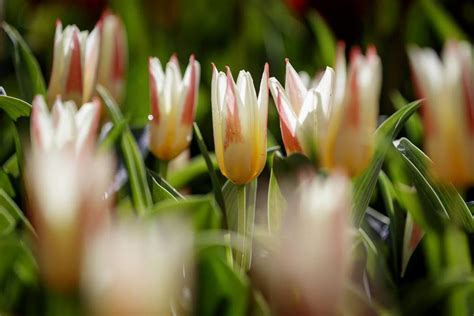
column 447, row 86
column 66, row 127
column 240, row 124
column 173, row 106
column 67, row 204
column 351, row 130
column 75, row 62
column 303, row 113
column 136, row 269
column 113, row 55
column 306, row 269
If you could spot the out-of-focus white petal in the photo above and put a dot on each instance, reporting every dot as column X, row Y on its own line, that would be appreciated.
column 294, row 88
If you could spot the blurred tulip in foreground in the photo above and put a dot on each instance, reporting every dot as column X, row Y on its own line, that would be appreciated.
column 75, row 63
column 113, row 55
column 65, row 128
column 351, row 130
column 447, row 86
column 304, row 113
column 239, row 119
column 306, row 270
column 173, row 106
column 67, row 204
column 135, row 269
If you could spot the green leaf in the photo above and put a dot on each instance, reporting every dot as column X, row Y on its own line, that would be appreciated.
column 112, row 136
column 439, row 196
column 325, row 39
column 14, row 107
column 276, row 203
column 7, row 222
column 28, row 72
column 413, row 126
column 6, row 184
column 196, row 167
column 201, row 211
column 221, row 289
column 11, row 166
column 442, row 22
column 364, row 185
column 10, row 206
column 411, row 238
column 216, row 186
column 141, row 195
column 162, row 190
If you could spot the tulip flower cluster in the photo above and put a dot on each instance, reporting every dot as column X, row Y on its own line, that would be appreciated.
column 142, row 266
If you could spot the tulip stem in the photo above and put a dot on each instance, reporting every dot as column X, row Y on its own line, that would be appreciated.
column 164, row 169
column 246, row 196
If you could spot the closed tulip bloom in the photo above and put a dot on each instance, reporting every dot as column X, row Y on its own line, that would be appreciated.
column 173, row 106
column 447, row 86
column 65, row 128
column 113, row 55
column 67, row 205
column 239, row 119
column 75, row 62
column 351, row 130
column 307, row 266
column 304, row 113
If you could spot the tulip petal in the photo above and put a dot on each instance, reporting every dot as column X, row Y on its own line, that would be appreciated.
column 87, row 121
column 74, row 74
column 325, row 89
column 156, row 77
column 294, row 88
column 41, row 125
column 91, row 62
column 233, row 133
column 191, row 85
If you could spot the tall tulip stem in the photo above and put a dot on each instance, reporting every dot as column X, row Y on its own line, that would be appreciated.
column 246, row 195
column 164, row 169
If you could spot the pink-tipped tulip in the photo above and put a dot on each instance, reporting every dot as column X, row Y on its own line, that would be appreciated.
column 306, row 269
column 113, row 55
column 304, row 113
column 447, row 86
column 173, row 106
column 67, row 204
column 351, row 130
column 240, row 124
column 65, row 128
column 75, row 63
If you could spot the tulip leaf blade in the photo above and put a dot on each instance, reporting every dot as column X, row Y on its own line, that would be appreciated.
column 276, row 203
column 200, row 210
column 15, row 108
column 444, row 24
column 325, row 39
column 216, row 185
column 364, row 184
column 7, row 222
column 448, row 198
column 196, row 167
column 162, row 190
column 27, row 69
column 141, row 194
column 12, row 208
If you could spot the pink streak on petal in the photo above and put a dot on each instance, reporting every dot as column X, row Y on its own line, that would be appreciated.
column 74, row 79
column 233, row 133
column 190, row 102
column 155, row 108
column 289, row 138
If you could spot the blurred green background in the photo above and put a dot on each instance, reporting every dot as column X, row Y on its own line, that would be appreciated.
column 243, row 34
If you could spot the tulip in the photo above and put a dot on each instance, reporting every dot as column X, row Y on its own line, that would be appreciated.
column 240, row 124
column 304, row 113
column 305, row 270
column 67, row 205
column 151, row 270
column 65, row 127
column 113, row 55
column 173, row 106
column 447, row 86
column 351, row 131
column 75, row 62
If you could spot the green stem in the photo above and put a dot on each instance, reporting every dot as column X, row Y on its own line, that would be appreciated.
column 164, row 169
column 242, row 225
